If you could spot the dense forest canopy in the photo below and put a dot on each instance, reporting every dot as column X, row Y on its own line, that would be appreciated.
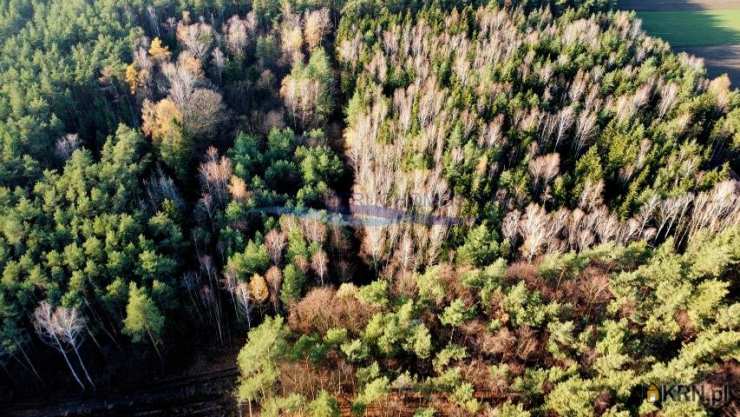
column 422, row 208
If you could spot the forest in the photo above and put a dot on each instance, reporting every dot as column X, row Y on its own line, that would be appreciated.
column 397, row 208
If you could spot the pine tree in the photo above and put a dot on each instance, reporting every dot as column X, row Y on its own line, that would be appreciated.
column 143, row 317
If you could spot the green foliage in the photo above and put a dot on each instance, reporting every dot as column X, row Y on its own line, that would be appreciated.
column 463, row 397
column 82, row 236
column 572, row 397
column 425, row 412
column 335, row 336
column 455, row 314
column 325, row 405
column 447, row 355
column 375, row 294
column 373, row 391
column 143, row 317
column 545, row 127
column 257, row 360
column 254, row 260
column 308, row 89
column 293, row 282
column 309, row 347
column 430, row 286
column 480, row 247
column 508, row 409
column 279, row 406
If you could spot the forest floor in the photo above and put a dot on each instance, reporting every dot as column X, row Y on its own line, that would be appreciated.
column 204, row 389
column 709, row 29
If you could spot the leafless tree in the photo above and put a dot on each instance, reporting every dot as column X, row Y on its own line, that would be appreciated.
column 544, row 168
column 47, row 328
column 275, row 242
column 669, row 97
column 314, row 228
column 291, row 37
column 407, row 252
column 274, row 280
column 591, row 195
column 510, row 225
column 319, row 264
column 532, row 227
column 565, row 120
column 714, row 210
column 241, row 292
column 215, row 174
column 66, row 145
column 236, row 33
column 70, row 326
column 373, row 243
column 585, row 129
column 161, row 187
column 219, row 60
column 191, row 282
column 317, row 25
column 301, row 96
column 197, row 38
column 210, row 293
column 203, row 112
column 182, row 81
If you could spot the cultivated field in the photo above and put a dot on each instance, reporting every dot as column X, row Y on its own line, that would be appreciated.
column 675, row 5
column 709, row 29
column 694, row 28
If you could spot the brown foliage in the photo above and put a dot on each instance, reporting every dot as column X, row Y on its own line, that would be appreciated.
column 274, row 280
column 160, row 120
column 304, row 378
column 528, row 343
column 589, row 293
column 302, row 263
column 478, row 373
column 321, row 310
column 238, row 189
column 452, row 282
column 405, row 285
column 501, row 343
column 258, row 288
column 203, row 112
column 688, row 330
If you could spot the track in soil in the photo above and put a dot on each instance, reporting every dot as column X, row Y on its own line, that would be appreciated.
column 203, row 395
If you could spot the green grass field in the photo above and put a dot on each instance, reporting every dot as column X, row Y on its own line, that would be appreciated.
column 694, row 28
